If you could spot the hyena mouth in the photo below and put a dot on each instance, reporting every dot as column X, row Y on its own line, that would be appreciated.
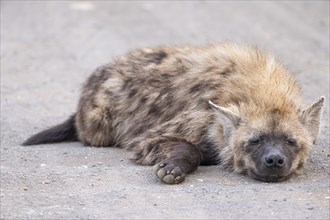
column 269, row 178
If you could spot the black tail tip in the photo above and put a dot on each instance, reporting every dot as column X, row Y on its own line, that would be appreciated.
column 28, row 142
column 64, row 132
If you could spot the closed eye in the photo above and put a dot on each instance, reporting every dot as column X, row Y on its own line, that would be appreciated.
column 291, row 142
column 255, row 140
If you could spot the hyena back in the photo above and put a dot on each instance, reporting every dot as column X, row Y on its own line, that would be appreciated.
column 181, row 107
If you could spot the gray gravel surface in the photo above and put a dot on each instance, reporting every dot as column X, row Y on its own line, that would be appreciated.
column 48, row 48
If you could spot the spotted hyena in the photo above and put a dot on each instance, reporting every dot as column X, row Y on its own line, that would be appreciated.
column 181, row 107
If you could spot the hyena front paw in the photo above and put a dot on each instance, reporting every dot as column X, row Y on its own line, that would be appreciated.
column 169, row 173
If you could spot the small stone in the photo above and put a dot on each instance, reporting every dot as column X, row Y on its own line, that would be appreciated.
column 310, row 208
column 42, row 165
column 25, row 188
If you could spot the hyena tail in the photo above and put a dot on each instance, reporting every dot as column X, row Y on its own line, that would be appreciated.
column 64, row 132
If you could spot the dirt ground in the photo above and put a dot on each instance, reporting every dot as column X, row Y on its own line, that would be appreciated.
column 48, row 48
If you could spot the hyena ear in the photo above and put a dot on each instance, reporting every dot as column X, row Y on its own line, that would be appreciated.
column 311, row 116
column 228, row 118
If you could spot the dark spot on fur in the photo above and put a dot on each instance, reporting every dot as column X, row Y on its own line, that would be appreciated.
column 139, row 130
column 197, row 87
column 154, row 82
column 181, row 67
column 226, row 71
column 210, row 69
column 154, row 109
column 143, row 100
column 168, row 100
column 229, row 69
column 132, row 93
column 300, row 165
column 179, row 129
column 165, row 75
column 108, row 92
column 156, row 57
column 202, row 104
column 167, row 117
column 205, row 85
column 240, row 163
column 127, row 83
column 275, row 111
column 159, row 56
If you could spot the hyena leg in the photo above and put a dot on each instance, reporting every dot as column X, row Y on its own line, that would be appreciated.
column 94, row 127
column 174, row 157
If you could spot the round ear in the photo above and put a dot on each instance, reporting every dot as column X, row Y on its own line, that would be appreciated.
column 311, row 116
column 229, row 119
column 226, row 114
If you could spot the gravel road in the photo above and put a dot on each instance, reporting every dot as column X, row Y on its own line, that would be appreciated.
column 48, row 49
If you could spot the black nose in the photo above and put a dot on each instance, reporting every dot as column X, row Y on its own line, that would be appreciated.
column 274, row 159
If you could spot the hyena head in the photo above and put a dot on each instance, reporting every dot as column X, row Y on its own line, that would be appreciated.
column 269, row 144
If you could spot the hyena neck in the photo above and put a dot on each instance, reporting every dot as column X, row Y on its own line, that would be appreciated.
column 217, row 137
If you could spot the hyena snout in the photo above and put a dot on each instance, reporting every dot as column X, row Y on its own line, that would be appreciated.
column 274, row 159
column 272, row 165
